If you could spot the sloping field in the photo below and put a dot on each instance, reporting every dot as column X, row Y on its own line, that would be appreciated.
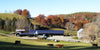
column 7, row 43
column 10, row 16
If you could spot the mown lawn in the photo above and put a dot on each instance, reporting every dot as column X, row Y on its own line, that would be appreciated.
column 7, row 43
column 6, row 32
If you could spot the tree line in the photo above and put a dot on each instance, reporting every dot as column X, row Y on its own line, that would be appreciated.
column 24, row 12
column 70, row 21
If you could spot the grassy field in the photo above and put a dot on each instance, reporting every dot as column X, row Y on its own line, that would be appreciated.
column 6, row 32
column 7, row 43
column 56, row 29
column 10, row 16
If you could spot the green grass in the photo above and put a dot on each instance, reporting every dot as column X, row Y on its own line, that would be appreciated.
column 6, row 32
column 7, row 43
column 69, row 32
column 75, row 37
column 10, row 16
column 56, row 29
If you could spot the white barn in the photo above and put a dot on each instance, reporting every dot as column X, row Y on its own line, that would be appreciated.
column 79, row 33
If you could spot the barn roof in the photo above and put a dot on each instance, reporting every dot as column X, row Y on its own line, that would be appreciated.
column 47, row 31
column 50, row 31
column 80, row 30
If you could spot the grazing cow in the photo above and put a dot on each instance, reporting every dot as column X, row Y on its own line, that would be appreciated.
column 59, row 46
column 50, row 45
column 17, row 42
column 39, row 38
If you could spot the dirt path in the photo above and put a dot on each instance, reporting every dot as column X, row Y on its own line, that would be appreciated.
column 10, row 35
column 68, row 38
column 7, row 35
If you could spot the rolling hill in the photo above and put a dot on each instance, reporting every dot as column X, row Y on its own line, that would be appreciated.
column 9, row 16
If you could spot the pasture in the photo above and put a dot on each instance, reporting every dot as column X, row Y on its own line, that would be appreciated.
column 7, row 43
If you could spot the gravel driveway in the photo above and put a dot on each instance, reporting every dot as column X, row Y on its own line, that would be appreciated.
column 68, row 38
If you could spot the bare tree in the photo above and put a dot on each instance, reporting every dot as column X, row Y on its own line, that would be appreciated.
column 93, row 31
column 8, row 24
column 70, row 26
column 22, row 24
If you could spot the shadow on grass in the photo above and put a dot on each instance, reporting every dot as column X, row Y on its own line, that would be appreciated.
column 81, row 48
column 11, row 46
column 90, row 48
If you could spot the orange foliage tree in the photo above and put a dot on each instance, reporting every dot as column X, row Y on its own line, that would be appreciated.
column 18, row 12
column 25, row 13
column 39, row 18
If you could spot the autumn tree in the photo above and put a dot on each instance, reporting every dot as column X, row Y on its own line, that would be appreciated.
column 18, row 12
column 39, row 18
column 54, row 20
column 44, row 22
column 25, row 13
column 49, row 22
column 78, row 25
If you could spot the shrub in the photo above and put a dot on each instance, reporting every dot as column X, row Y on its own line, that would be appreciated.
column 75, row 37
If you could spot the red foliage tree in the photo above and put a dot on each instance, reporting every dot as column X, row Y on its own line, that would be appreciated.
column 44, row 22
column 18, row 12
column 25, row 13
column 39, row 18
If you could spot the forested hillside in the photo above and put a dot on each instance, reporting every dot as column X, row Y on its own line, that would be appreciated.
column 22, row 20
column 73, row 21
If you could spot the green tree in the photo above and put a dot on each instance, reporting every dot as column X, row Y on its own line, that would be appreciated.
column 8, row 24
column 13, row 26
column 1, row 24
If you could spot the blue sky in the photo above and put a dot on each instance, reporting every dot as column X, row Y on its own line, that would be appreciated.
column 48, row 7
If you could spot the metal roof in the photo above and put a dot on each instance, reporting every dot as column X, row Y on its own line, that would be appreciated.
column 50, row 31
column 46, row 31
column 32, row 32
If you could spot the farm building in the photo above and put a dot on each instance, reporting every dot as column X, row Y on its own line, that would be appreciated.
column 54, row 32
column 79, row 33
column 41, row 32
